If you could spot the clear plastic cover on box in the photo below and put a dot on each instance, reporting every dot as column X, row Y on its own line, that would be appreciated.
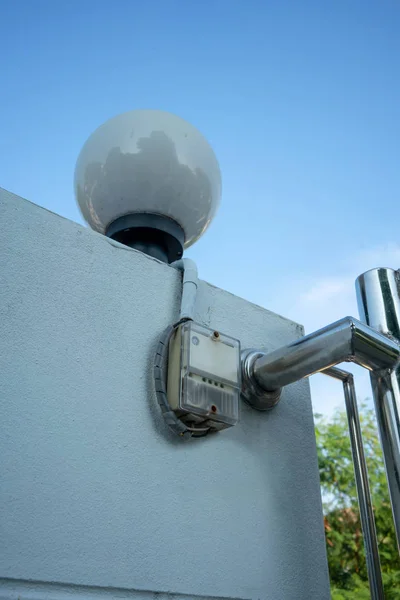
column 210, row 375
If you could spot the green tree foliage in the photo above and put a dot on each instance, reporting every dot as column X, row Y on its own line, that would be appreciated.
column 344, row 540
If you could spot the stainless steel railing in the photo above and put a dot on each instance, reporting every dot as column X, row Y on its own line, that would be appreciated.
column 375, row 345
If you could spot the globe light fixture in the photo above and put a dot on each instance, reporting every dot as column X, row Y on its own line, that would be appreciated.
column 150, row 180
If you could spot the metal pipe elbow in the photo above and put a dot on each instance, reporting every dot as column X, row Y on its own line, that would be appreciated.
column 347, row 340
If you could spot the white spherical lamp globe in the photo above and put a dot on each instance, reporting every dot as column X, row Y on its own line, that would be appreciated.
column 148, row 170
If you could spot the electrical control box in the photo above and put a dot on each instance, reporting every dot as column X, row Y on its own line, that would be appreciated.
column 204, row 377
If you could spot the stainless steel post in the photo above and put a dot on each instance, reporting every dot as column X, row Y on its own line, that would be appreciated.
column 362, row 484
column 378, row 294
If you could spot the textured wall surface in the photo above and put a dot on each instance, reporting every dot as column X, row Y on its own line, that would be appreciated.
column 94, row 490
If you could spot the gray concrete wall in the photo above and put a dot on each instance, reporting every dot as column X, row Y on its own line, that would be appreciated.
column 97, row 498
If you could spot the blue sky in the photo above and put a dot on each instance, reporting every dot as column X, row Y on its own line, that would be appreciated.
column 300, row 101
